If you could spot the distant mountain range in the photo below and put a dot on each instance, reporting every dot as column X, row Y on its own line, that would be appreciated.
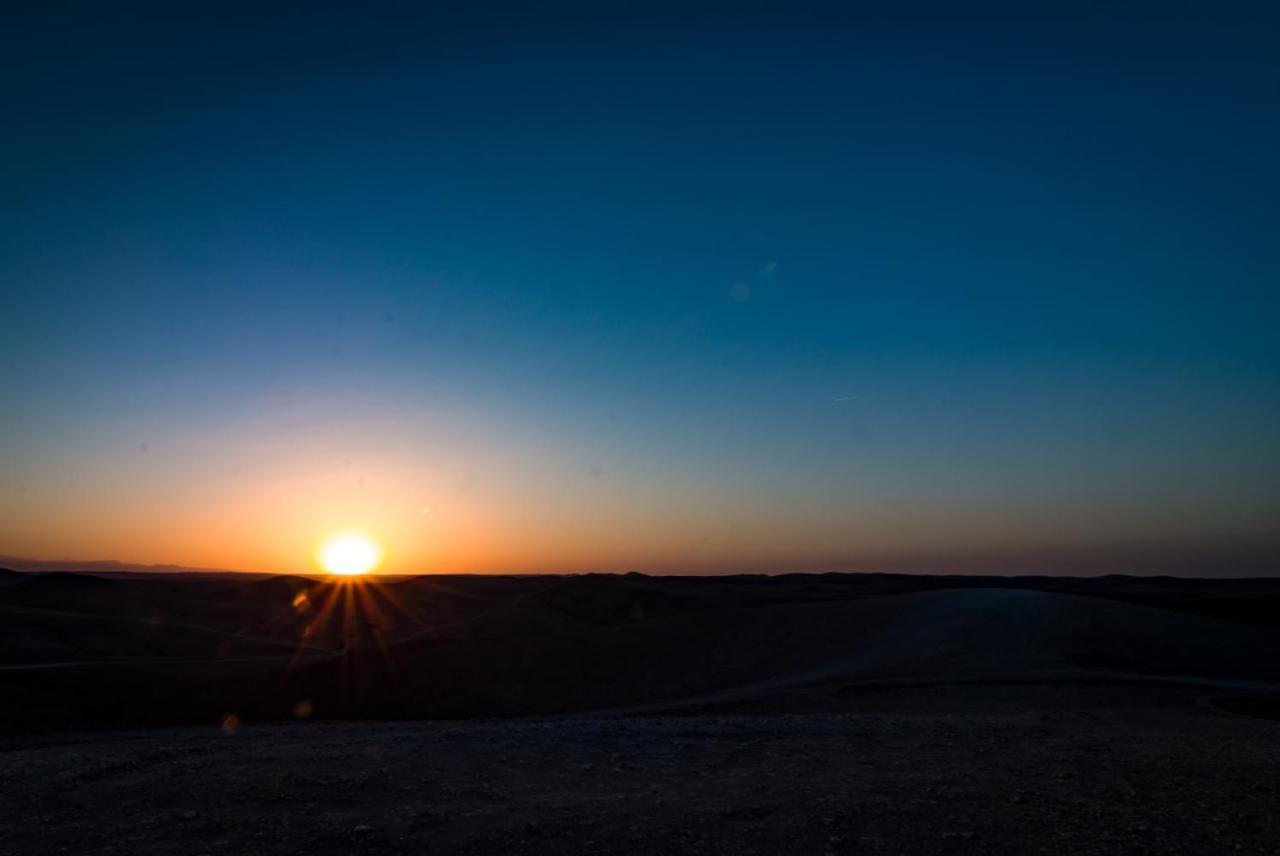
column 101, row 566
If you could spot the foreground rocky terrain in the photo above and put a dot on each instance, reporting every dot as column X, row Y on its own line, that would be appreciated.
column 162, row 715
column 958, row 768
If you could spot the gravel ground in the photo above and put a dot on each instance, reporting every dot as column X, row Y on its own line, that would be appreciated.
column 943, row 770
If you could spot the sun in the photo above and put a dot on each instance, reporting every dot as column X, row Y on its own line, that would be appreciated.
column 349, row 554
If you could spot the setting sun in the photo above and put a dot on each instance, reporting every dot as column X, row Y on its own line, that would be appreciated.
column 349, row 553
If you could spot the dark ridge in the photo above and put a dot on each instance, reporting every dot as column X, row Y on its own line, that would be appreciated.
column 83, row 651
column 282, row 586
column 54, row 580
column 600, row 602
column 1259, row 707
column 61, row 590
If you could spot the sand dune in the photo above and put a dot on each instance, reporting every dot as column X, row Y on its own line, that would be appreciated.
column 178, row 650
column 939, row 635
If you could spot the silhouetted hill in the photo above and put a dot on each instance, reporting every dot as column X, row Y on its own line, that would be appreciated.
column 63, row 591
column 598, row 600
column 940, row 635
column 281, row 588
column 81, row 649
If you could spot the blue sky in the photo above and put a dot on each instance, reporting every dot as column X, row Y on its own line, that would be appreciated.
column 666, row 289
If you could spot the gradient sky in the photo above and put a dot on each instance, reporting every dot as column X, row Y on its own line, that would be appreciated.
column 924, row 286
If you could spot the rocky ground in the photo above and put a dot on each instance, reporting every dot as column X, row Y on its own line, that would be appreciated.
column 962, row 769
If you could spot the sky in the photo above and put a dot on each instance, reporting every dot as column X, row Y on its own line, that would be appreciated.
column 921, row 286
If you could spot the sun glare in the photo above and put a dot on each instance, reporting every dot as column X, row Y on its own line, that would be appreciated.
column 349, row 554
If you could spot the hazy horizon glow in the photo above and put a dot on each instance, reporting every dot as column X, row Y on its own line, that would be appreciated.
column 799, row 290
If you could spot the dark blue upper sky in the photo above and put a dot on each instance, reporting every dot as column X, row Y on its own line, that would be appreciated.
column 879, row 285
